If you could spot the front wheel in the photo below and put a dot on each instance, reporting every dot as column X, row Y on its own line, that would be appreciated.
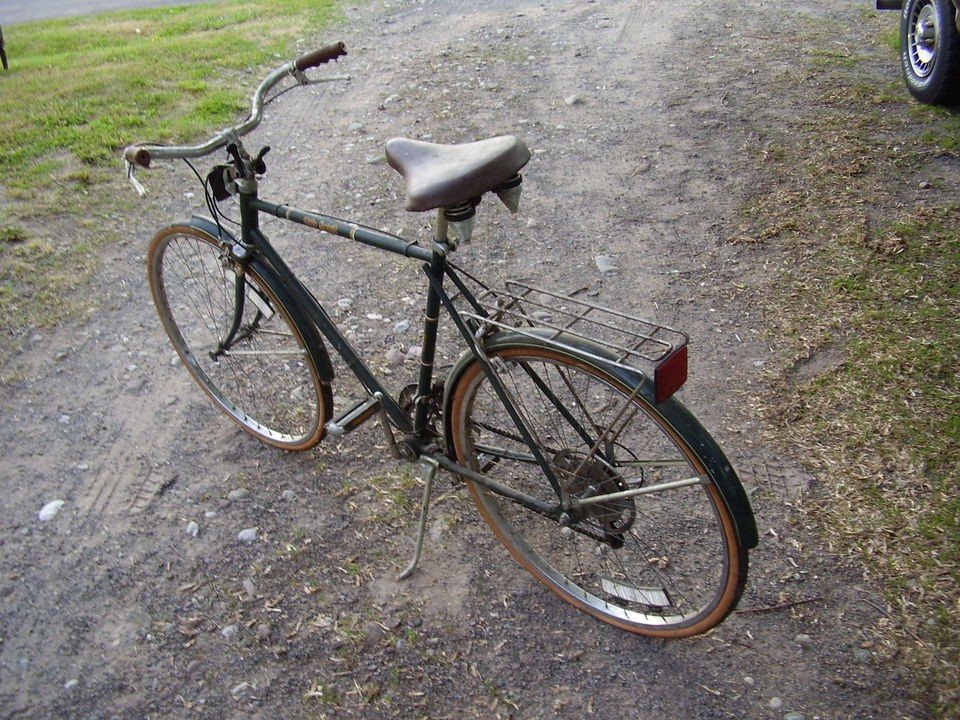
column 259, row 369
column 662, row 556
column 930, row 50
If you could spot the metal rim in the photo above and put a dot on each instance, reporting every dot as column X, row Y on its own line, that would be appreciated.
column 922, row 39
column 705, row 611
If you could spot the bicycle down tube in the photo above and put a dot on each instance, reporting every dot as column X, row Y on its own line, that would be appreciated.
column 253, row 236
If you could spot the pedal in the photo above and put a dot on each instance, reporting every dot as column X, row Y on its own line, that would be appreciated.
column 353, row 418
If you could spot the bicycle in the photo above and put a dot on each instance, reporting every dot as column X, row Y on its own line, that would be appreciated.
column 558, row 416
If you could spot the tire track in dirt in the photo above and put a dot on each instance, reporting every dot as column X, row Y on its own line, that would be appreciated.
column 131, row 423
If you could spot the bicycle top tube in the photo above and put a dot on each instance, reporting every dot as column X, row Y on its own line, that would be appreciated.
column 350, row 230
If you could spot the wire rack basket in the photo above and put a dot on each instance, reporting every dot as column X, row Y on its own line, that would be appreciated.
column 632, row 342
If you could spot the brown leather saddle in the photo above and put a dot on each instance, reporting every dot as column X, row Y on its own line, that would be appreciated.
column 441, row 176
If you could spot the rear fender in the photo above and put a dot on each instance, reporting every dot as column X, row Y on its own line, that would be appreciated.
column 671, row 411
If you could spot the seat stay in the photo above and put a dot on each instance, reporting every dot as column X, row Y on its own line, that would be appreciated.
column 495, row 382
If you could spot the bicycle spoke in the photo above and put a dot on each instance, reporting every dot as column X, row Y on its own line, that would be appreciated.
column 643, row 543
column 264, row 376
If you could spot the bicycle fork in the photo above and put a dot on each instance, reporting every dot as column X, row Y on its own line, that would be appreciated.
column 239, row 302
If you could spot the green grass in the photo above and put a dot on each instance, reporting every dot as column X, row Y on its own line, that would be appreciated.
column 874, row 282
column 85, row 87
column 78, row 91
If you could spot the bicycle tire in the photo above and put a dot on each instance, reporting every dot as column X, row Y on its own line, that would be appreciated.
column 681, row 564
column 268, row 381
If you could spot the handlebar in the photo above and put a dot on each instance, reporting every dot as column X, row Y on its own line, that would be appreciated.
column 142, row 154
column 321, row 56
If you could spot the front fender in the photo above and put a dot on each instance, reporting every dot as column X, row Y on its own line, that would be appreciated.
column 321, row 357
column 208, row 226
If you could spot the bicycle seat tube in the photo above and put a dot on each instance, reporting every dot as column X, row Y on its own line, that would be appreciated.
column 438, row 266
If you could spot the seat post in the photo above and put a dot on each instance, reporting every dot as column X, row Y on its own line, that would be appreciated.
column 431, row 320
column 441, row 230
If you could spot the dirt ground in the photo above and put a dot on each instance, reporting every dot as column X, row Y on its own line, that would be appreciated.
column 636, row 115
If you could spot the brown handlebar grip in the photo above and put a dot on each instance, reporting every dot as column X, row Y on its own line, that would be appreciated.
column 137, row 156
column 321, row 56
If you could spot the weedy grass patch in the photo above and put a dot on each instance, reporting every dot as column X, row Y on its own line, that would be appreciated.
column 79, row 90
column 855, row 192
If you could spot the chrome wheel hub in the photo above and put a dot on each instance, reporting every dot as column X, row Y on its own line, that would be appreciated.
column 922, row 40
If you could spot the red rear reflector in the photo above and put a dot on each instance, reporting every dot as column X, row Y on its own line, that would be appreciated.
column 670, row 375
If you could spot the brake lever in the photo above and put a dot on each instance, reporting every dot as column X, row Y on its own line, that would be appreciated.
column 132, row 177
column 301, row 78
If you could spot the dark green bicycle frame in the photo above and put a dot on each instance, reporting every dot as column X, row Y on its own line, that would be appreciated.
column 436, row 268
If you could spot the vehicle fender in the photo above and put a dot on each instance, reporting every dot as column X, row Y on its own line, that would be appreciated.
column 671, row 411
column 208, row 226
column 321, row 357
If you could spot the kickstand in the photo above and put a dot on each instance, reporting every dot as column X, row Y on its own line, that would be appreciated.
column 431, row 468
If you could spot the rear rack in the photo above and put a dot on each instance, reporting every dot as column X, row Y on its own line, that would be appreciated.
column 633, row 343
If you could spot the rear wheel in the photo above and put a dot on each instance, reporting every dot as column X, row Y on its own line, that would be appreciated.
column 266, row 377
column 664, row 561
column 930, row 50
